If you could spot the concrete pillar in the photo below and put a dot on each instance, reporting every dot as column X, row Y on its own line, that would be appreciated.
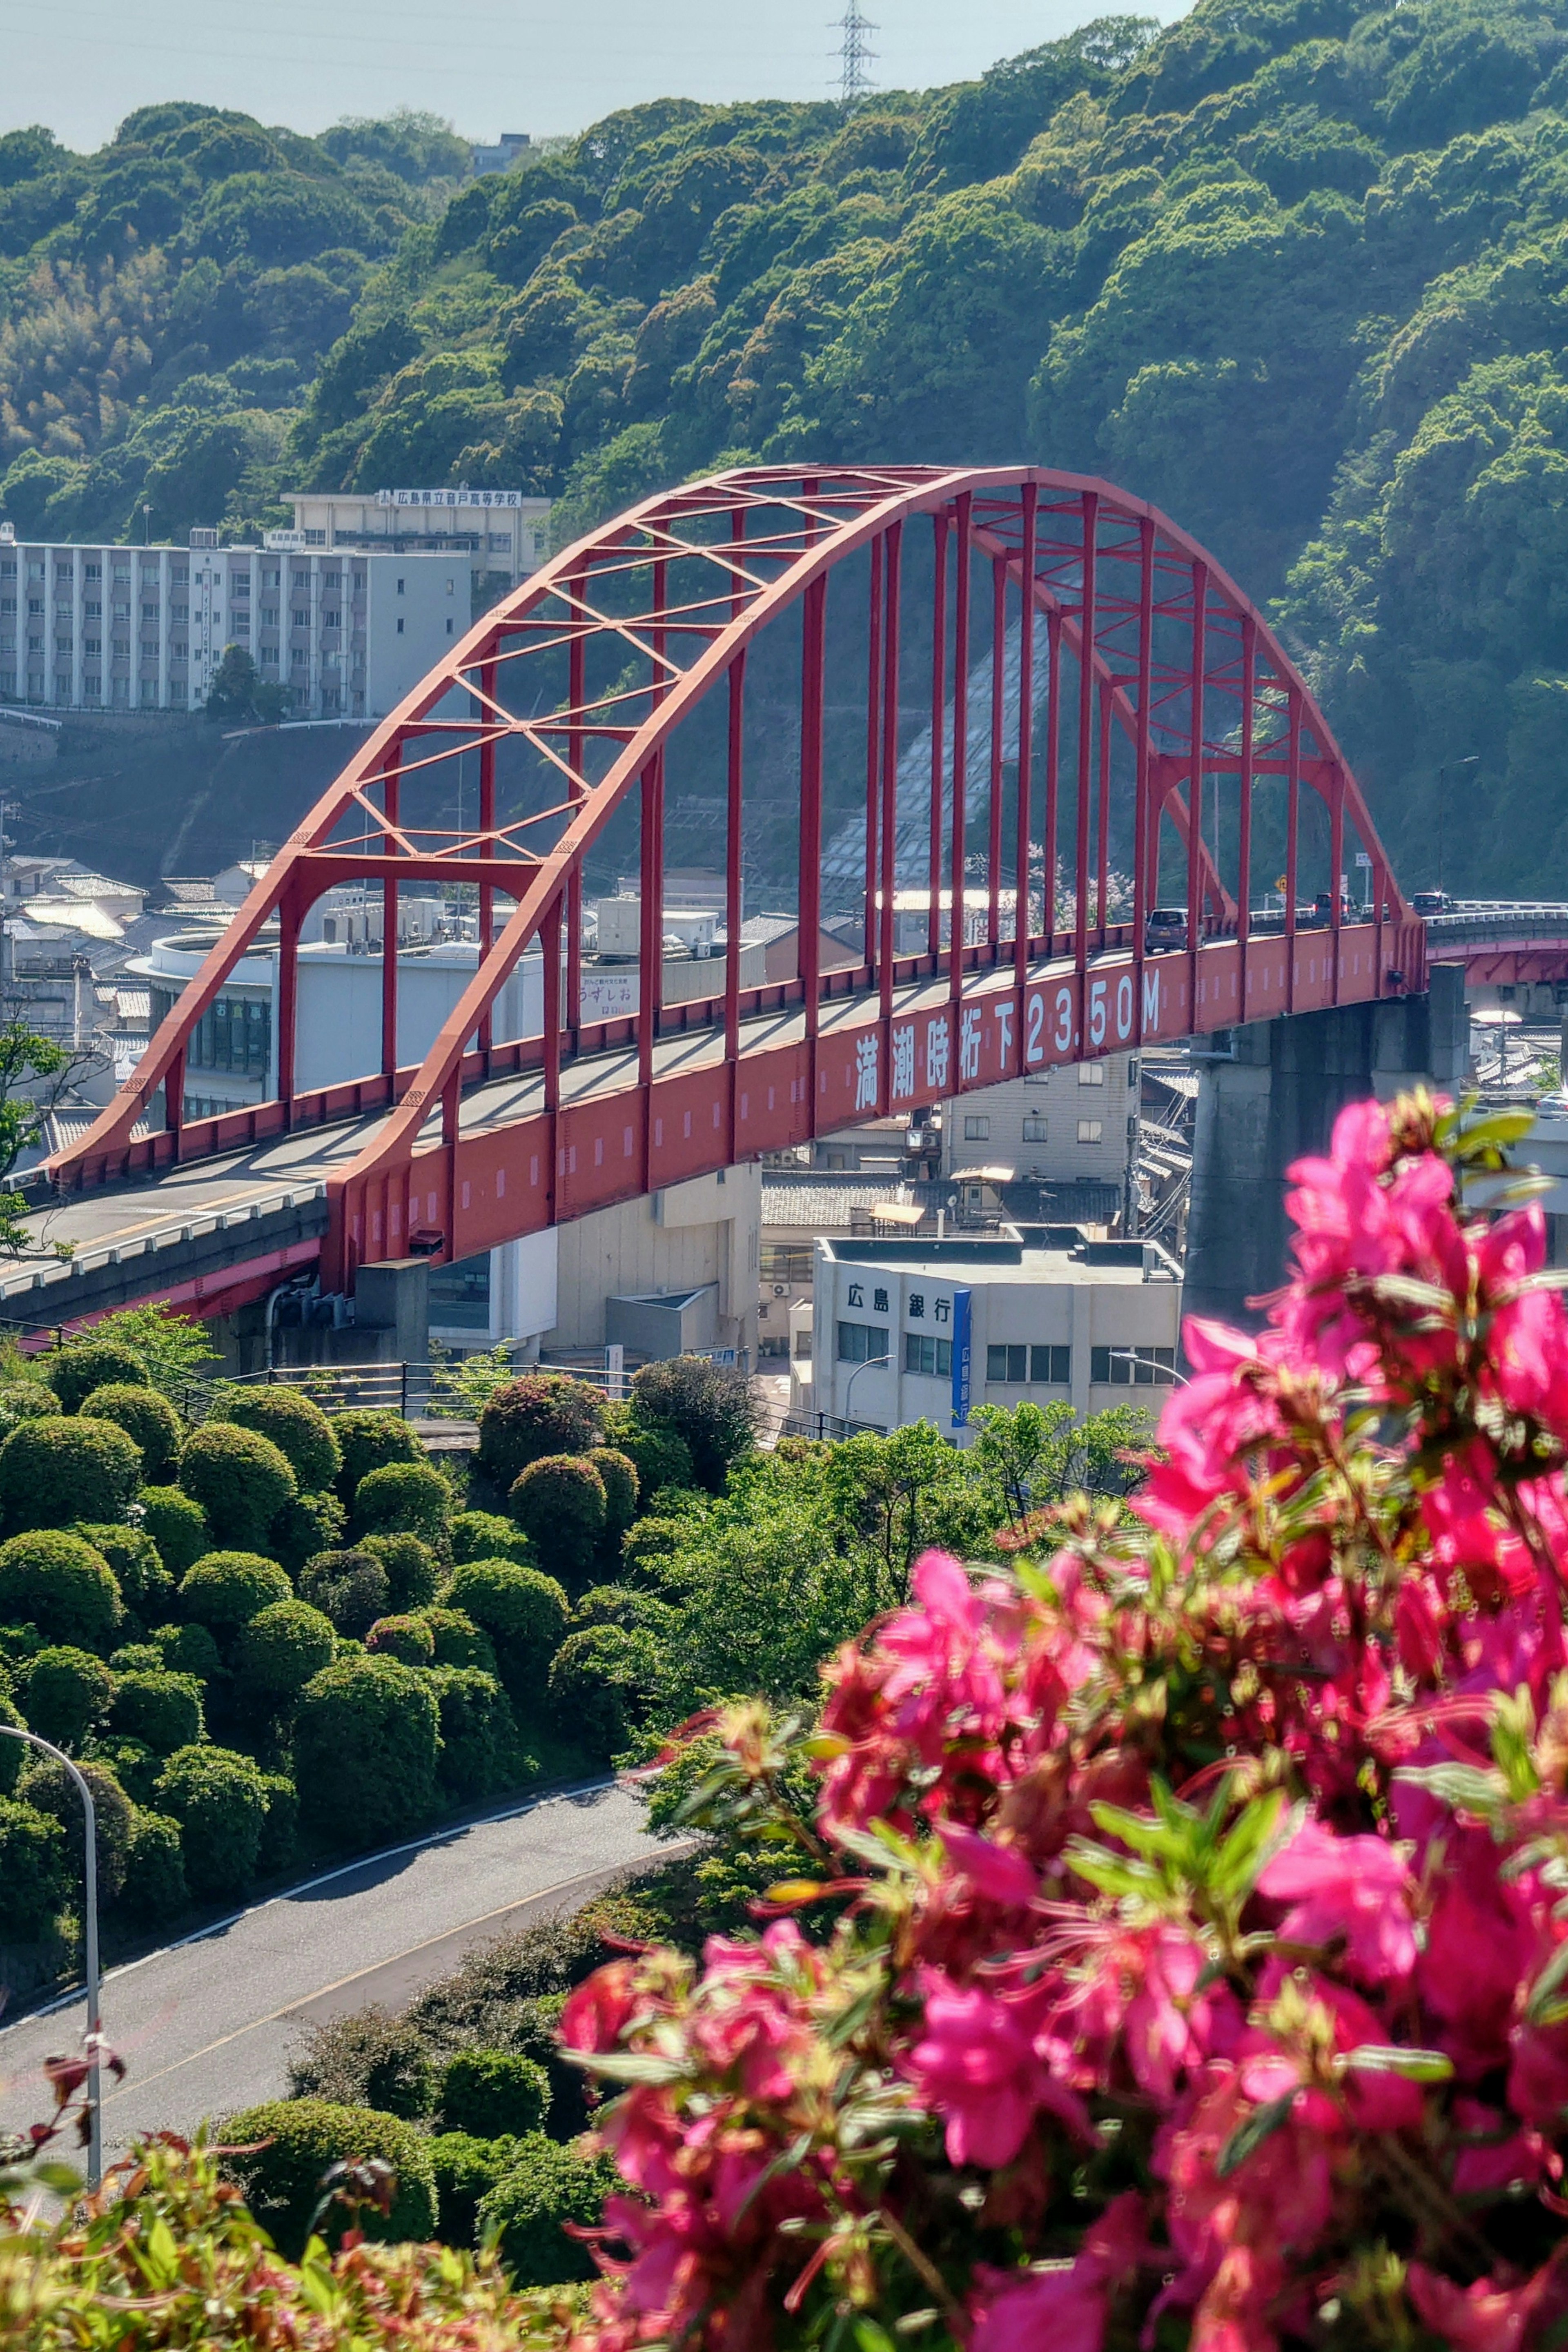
column 1268, row 1093
column 395, row 1296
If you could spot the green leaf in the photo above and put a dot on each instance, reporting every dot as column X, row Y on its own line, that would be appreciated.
column 1241, row 1856
column 1379, row 2058
column 1260, row 2126
column 870, row 2337
column 1544, row 2008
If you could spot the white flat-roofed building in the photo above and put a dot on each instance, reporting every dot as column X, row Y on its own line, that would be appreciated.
column 1058, row 1124
column 503, row 535
column 145, row 628
column 1053, row 1315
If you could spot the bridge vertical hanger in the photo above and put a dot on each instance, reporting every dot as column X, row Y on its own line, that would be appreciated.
column 1292, row 817
column 873, row 749
column 487, row 839
column 887, row 934
column 1090, row 513
column 389, row 918
column 994, row 784
column 957, row 911
column 1023, row 917
column 1244, row 829
column 577, row 689
column 1053, row 764
column 1199, row 642
column 733, row 815
column 1145, row 807
column 938, row 730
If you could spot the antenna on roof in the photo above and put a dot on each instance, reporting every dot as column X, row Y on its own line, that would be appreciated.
column 854, row 82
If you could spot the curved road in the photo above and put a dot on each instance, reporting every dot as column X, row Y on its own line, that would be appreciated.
column 206, row 2026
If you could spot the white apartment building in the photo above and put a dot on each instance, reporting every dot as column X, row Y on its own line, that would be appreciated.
column 1058, row 1126
column 1052, row 1315
column 145, row 628
column 502, row 535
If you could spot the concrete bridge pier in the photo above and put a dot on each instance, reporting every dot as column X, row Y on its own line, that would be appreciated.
column 1269, row 1094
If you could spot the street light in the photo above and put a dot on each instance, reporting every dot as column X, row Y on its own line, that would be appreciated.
column 94, row 2018
column 1474, row 760
column 869, row 1365
column 1132, row 1356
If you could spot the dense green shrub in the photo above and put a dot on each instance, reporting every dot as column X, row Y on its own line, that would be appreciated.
column 709, row 1406
column 297, row 1427
column 188, row 1650
column 34, row 1869
column 162, row 1710
column 521, row 1610
column 219, row 1800
column 239, row 1479
column 546, row 2186
column 619, row 1476
column 24, row 1400
column 177, row 1526
column 351, row 1588
column 659, row 1456
column 74, row 1372
column 226, row 1588
column 64, row 1693
column 54, row 1470
column 132, row 1761
column 559, row 1504
column 458, row 1640
column 407, row 1638
column 601, row 1681
column 155, row 1888
column 366, row 1734
column 403, row 1499
column 310, row 1524
column 149, row 1420
column 297, row 2141
column 543, row 1413
column 13, row 1755
column 279, row 1650
column 493, row 2094
column 49, row 1787
column 136, row 1658
column 58, row 1583
column 145, row 1585
column 466, row 2170
column 479, row 1751
column 369, row 2058
column 280, row 1830
column 485, row 1535
column 413, row 1570
column 367, row 1441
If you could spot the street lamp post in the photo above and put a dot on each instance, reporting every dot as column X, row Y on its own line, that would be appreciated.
column 1134, row 1356
column 94, row 2017
column 869, row 1365
column 1443, row 772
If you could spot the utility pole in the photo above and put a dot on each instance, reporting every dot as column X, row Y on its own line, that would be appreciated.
column 854, row 56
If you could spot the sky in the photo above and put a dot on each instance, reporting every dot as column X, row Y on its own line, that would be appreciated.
column 539, row 66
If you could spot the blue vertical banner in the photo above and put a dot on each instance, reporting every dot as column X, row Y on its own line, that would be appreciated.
column 962, row 1328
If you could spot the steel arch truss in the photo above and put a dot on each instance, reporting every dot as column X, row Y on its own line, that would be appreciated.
column 1090, row 693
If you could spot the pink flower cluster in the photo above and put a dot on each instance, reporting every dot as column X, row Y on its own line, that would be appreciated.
column 1190, row 1959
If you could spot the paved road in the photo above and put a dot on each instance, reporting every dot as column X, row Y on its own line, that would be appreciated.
column 206, row 2026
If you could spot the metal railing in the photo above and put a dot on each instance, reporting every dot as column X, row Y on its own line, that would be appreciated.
column 413, row 1390
column 828, row 1425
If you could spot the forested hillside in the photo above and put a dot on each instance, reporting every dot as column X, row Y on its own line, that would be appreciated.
column 1299, row 273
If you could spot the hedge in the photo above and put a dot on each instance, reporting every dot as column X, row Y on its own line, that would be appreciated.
column 485, row 1535
column 366, row 1734
column 547, row 2185
column 522, row 1610
column 369, row 2057
column 543, row 1413
column 559, row 1504
column 659, row 1456
column 479, row 1750
column 74, row 1372
column 303, row 2140
column 310, row 1524
column 59, row 1584
column 132, row 1761
column 13, row 1755
column 226, row 1588
column 279, row 1650
column 35, row 1870
column 367, row 1439
column 148, row 1418
column 407, row 1638
column 239, row 1479
column 162, row 1710
column 297, row 1427
column 64, row 1693
column 54, row 1470
column 188, row 1650
column 413, row 1571
column 49, row 1787
column 351, row 1588
column 219, row 1800
column 280, row 1830
column 145, row 1585
column 403, row 1499
column 493, row 2094
column 155, row 1888
column 176, row 1524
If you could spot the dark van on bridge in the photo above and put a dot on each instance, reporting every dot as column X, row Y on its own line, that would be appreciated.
column 1164, row 927
column 1431, row 902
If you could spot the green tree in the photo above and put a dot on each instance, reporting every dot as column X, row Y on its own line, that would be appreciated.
column 239, row 692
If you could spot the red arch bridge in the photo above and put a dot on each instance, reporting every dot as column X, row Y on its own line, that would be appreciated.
column 1020, row 695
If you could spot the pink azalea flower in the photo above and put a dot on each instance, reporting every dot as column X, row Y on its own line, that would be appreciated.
column 1349, row 1890
column 976, row 2064
column 1062, row 2310
column 1483, row 2317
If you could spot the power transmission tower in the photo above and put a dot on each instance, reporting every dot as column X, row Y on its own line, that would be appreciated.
column 854, row 82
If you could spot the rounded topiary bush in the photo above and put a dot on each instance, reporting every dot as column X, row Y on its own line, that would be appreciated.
column 521, row 1610
column 148, row 1418
column 466, row 2170
column 59, row 1584
column 543, row 1413
column 294, row 2143
column 351, row 1588
column 49, row 1787
column 176, row 1524
column 559, row 1503
column 188, row 1650
column 219, row 1800
column 368, row 1439
column 547, row 2186
column 240, row 1480
column 280, row 1830
column 132, row 1761
column 485, row 1535
column 619, row 1476
column 74, row 1372
column 13, row 1755
column 226, row 1588
column 493, row 2094
column 310, row 1524
column 297, row 1427
column 64, row 1693
column 24, row 1400
column 34, row 1869
column 279, row 1650
column 601, row 1681
column 366, row 1734
column 54, row 1469
column 162, row 1710
column 660, row 1457
column 458, row 1640
column 145, row 1585
column 479, row 1749
column 408, row 1638
column 413, row 1571
column 403, row 1499
column 155, row 1889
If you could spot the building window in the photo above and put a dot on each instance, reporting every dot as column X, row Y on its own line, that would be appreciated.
column 315, row 538
column 400, row 587
column 1008, row 1367
column 270, row 616
column 862, row 1343
column 330, row 620
column 1091, row 1073
column 803, row 1341
column 1128, row 1367
column 301, row 620
column 931, row 1357
column 92, row 645
column 460, row 1295
column 448, row 628
column 1090, row 1130
column 179, row 612
column 400, row 617
column 788, row 1261
column 977, row 1129
column 1050, row 1368
column 1034, row 1127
